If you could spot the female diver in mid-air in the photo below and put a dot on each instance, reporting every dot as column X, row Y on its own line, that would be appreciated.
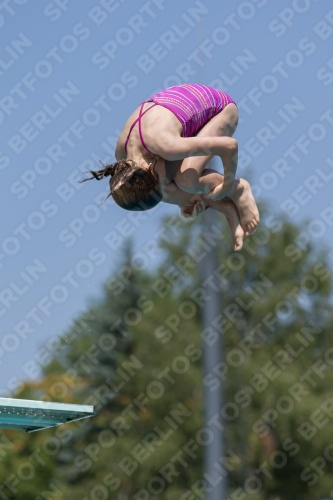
column 164, row 148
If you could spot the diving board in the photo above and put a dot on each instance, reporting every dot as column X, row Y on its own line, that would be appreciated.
column 33, row 416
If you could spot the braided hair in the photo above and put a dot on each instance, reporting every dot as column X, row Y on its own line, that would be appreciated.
column 131, row 186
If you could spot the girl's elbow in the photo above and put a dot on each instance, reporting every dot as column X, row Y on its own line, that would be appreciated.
column 233, row 145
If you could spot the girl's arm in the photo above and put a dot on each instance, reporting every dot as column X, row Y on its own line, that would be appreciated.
column 190, row 205
column 188, row 177
column 179, row 148
column 175, row 196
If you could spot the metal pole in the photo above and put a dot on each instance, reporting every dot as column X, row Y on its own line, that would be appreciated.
column 215, row 480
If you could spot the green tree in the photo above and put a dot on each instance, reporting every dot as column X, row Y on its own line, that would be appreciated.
column 137, row 355
column 148, row 392
column 277, row 319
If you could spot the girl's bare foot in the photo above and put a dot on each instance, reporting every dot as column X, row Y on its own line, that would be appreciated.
column 226, row 207
column 247, row 208
column 241, row 195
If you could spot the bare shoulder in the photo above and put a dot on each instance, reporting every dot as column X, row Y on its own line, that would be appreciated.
column 159, row 128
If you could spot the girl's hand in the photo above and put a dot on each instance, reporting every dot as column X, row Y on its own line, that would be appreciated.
column 194, row 210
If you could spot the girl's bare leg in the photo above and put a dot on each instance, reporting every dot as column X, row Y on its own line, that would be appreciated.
column 172, row 194
column 203, row 181
column 228, row 208
column 242, row 197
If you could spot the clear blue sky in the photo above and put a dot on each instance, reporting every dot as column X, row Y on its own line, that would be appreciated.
column 71, row 72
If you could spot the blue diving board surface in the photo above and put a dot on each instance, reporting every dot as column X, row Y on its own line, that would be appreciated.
column 33, row 416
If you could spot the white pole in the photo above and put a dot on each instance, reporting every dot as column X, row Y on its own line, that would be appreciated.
column 215, row 481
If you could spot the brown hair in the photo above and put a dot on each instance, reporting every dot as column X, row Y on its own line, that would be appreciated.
column 131, row 186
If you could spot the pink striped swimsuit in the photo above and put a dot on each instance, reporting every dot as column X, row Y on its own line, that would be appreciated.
column 193, row 104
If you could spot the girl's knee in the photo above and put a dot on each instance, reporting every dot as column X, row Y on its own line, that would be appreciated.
column 187, row 180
